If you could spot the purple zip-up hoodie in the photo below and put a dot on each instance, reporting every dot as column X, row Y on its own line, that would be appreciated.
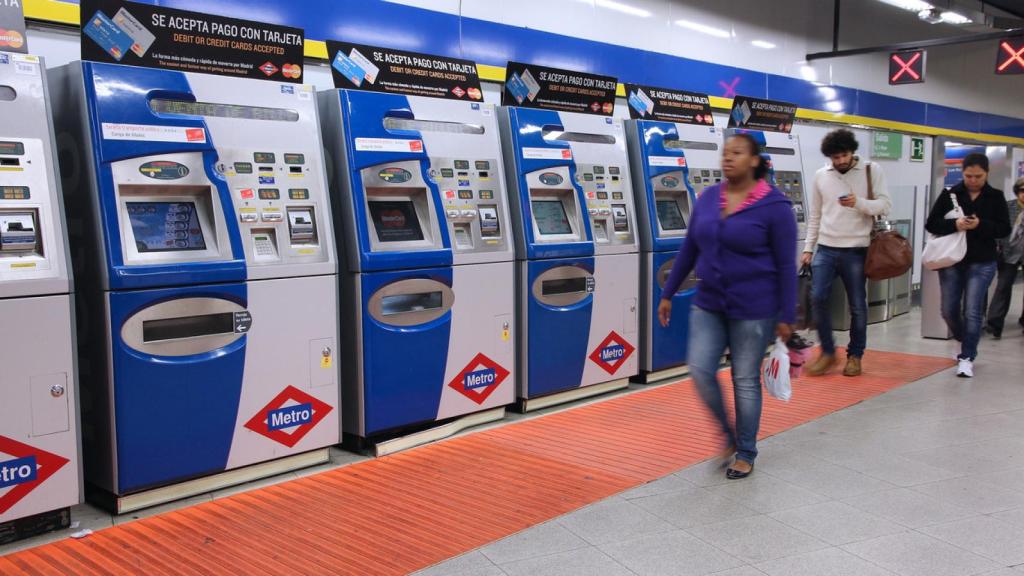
column 746, row 262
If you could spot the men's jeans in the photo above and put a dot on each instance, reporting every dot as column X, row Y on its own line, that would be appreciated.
column 964, row 288
column 710, row 334
column 847, row 264
column 1000, row 304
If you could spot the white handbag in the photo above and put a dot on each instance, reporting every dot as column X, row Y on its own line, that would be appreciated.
column 945, row 251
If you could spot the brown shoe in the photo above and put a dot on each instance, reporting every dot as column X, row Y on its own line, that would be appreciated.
column 822, row 364
column 852, row 367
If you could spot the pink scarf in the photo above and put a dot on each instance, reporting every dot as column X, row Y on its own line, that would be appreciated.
column 761, row 189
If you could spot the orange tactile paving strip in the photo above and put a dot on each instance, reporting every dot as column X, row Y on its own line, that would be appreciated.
column 400, row 513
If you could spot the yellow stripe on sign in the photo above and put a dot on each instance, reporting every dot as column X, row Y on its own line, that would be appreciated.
column 11, row 169
column 24, row 265
column 52, row 11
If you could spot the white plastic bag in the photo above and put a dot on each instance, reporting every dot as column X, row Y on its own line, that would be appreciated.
column 945, row 251
column 775, row 372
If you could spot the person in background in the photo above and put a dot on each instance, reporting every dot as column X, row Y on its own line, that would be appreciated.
column 965, row 284
column 839, row 225
column 1011, row 257
column 741, row 239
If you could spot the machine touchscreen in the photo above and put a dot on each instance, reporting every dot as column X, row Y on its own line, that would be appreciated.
column 669, row 215
column 395, row 220
column 165, row 226
column 550, row 217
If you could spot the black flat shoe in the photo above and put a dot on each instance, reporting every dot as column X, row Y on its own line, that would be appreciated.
column 733, row 474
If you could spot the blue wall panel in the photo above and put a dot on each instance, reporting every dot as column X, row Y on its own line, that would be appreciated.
column 952, row 118
column 814, row 96
column 890, row 108
column 667, row 71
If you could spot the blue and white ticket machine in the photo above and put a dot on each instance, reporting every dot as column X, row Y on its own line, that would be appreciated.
column 673, row 163
column 578, row 265
column 427, row 299
column 201, row 235
column 40, row 470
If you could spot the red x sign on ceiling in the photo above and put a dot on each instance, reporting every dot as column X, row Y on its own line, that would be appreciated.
column 906, row 67
column 1010, row 58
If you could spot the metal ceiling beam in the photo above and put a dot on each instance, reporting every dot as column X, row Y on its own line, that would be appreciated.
column 965, row 39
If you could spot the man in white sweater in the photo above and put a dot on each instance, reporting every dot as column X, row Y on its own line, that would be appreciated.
column 842, row 214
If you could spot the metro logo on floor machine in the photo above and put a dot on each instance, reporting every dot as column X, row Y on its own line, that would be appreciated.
column 29, row 468
column 479, row 379
column 612, row 353
column 289, row 417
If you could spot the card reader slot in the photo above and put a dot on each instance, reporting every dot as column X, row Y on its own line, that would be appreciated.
column 674, row 144
column 164, row 329
column 396, row 123
column 10, row 162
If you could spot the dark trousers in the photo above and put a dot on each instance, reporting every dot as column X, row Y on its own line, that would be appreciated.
column 1003, row 296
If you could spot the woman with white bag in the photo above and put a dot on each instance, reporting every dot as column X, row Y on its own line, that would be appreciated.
column 741, row 239
column 976, row 212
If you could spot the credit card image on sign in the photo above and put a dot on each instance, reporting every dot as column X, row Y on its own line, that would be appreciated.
column 555, row 211
column 400, row 208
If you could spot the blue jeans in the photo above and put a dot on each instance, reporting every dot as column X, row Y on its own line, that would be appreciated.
column 964, row 288
column 848, row 264
column 710, row 334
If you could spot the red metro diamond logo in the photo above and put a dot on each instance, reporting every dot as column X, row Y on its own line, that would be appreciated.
column 29, row 468
column 458, row 91
column 289, row 416
column 268, row 68
column 612, row 352
column 479, row 379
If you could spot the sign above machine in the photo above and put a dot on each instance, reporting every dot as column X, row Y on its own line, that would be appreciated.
column 651, row 103
column 125, row 32
column 361, row 67
column 757, row 114
column 530, row 86
column 12, row 27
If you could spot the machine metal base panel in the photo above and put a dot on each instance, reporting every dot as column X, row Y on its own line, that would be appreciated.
column 34, row 525
column 660, row 375
column 449, row 497
column 525, row 405
column 187, row 489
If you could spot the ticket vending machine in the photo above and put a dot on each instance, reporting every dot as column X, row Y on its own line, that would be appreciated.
column 578, row 270
column 202, row 243
column 420, row 202
column 672, row 164
column 40, row 471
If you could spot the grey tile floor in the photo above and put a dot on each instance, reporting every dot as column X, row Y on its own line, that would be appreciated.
column 926, row 480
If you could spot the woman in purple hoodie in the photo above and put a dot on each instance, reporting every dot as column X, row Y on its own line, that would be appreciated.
column 742, row 242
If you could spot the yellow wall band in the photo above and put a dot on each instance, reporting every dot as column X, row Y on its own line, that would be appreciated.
column 67, row 13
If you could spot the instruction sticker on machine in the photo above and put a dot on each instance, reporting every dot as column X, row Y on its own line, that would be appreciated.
column 156, row 36
column 153, row 133
column 361, row 67
column 388, row 145
column 547, row 153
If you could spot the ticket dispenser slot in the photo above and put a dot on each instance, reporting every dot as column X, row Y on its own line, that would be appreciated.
column 19, row 233
column 666, row 270
column 563, row 286
column 411, row 302
column 302, row 226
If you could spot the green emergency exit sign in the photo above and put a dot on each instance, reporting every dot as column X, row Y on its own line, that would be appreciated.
column 886, row 145
column 917, row 149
